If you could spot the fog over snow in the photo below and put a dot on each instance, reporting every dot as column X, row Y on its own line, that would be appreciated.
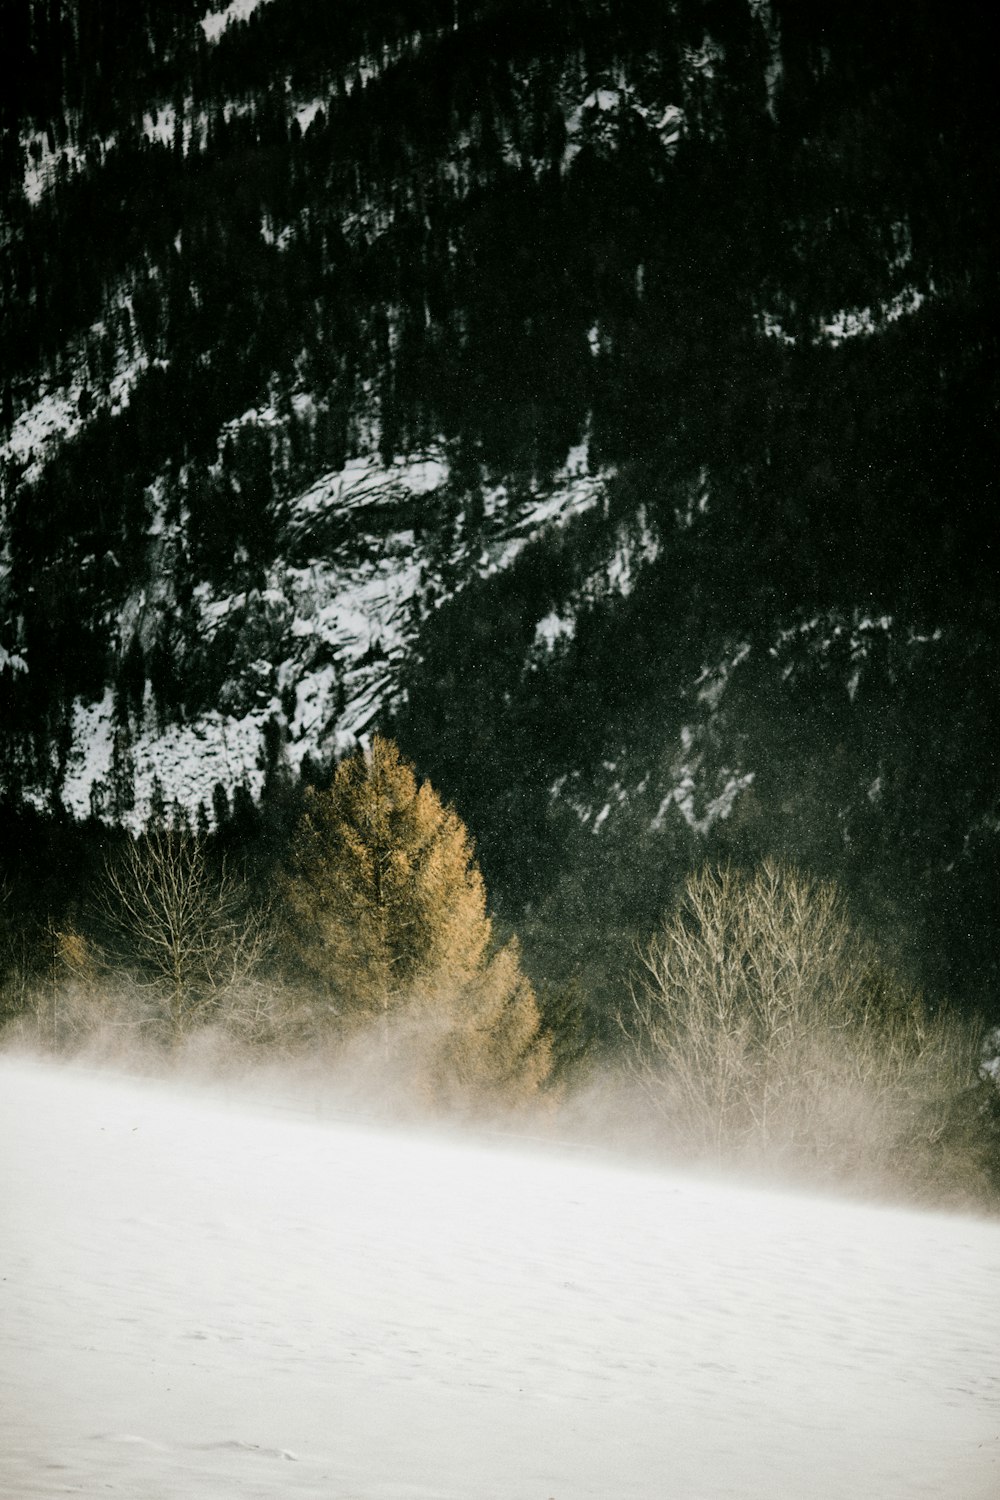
column 205, row 1294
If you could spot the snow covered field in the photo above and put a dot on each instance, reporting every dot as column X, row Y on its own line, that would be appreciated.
column 208, row 1296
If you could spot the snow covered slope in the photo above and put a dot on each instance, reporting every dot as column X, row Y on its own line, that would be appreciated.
column 206, row 1297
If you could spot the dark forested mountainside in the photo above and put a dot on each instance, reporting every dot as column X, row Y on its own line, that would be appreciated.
column 602, row 395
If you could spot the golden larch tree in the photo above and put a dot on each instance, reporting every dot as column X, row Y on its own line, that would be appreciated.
column 386, row 910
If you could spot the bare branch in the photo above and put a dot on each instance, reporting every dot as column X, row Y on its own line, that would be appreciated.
column 759, row 1008
column 191, row 931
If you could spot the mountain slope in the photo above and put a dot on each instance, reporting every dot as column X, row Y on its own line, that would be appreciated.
column 601, row 396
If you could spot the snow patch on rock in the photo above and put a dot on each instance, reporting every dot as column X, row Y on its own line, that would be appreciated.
column 850, row 322
column 321, row 643
column 180, row 764
column 214, row 22
column 599, row 118
column 62, row 408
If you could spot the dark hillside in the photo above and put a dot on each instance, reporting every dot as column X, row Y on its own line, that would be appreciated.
column 602, row 396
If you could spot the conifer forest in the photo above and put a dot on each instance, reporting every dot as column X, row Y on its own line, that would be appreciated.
column 497, row 506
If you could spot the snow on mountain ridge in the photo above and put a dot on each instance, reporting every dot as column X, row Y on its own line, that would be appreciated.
column 48, row 160
column 214, row 22
column 64, row 405
column 845, row 323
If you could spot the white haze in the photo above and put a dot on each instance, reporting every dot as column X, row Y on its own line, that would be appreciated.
column 207, row 1295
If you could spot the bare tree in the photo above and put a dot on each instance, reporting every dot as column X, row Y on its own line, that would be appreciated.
column 14, row 962
column 761, row 1018
column 191, row 931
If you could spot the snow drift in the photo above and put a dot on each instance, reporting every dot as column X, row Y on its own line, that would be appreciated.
column 206, row 1295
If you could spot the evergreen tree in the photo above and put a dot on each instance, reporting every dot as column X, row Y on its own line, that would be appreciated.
column 386, row 909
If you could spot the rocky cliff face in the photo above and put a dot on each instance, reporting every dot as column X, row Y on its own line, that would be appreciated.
column 601, row 396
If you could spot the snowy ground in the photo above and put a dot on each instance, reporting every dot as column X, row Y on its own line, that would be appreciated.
column 208, row 1297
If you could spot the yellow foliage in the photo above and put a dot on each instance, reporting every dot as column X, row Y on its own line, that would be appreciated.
column 494, row 1049
column 382, row 893
column 385, row 908
column 73, row 956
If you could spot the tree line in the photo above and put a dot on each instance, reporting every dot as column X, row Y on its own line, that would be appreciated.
column 758, row 1022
